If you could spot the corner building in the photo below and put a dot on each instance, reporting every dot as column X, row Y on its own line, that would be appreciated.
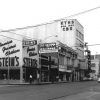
column 68, row 31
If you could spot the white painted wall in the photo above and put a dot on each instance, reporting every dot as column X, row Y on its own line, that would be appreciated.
column 16, row 41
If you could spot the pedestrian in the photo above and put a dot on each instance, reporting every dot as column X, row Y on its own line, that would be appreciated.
column 30, row 79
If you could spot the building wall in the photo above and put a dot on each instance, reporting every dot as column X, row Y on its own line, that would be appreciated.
column 95, row 66
column 66, row 30
column 11, row 46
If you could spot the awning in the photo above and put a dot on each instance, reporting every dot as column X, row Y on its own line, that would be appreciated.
column 6, row 68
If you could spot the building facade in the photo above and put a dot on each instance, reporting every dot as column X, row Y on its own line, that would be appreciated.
column 45, row 62
column 69, row 33
column 95, row 66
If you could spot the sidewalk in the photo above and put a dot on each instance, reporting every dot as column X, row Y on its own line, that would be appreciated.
column 17, row 82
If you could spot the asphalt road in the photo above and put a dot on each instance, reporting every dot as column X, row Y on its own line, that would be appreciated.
column 61, row 91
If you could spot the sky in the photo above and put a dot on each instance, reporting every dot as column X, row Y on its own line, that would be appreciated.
column 22, row 13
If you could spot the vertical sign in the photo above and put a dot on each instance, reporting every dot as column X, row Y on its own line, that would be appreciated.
column 30, row 53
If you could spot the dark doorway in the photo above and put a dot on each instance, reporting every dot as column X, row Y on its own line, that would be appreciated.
column 30, row 71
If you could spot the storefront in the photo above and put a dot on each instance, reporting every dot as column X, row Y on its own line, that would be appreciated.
column 56, row 58
column 10, row 60
column 30, row 57
column 45, row 62
column 48, row 61
column 18, row 59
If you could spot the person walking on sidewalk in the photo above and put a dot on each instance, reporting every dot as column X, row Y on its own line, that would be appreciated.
column 30, row 77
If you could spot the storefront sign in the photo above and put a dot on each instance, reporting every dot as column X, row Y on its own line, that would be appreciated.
column 30, row 53
column 29, row 62
column 48, row 47
column 29, row 42
column 9, row 61
column 62, row 68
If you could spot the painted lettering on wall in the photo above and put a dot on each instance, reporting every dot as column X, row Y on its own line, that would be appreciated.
column 67, row 25
column 9, row 61
column 31, row 51
column 29, row 43
column 29, row 62
column 9, row 48
column 6, row 43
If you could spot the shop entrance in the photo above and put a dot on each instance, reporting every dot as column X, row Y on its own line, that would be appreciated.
column 30, row 71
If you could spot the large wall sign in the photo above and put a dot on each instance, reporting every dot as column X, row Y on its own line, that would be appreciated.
column 9, row 53
column 30, row 53
column 8, row 48
column 67, row 25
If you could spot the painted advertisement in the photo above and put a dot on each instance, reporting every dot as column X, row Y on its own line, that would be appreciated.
column 10, row 53
column 30, row 53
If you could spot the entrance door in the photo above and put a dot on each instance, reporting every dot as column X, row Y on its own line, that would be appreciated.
column 30, row 71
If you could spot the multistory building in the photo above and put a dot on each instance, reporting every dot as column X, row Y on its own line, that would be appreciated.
column 68, row 31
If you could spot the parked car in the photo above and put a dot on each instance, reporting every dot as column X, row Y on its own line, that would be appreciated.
column 87, row 79
column 98, row 79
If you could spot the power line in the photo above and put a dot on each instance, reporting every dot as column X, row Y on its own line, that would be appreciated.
column 93, row 44
column 17, row 34
column 10, row 38
column 53, row 21
column 10, row 31
column 80, row 13
column 77, row 14
column 21, row 41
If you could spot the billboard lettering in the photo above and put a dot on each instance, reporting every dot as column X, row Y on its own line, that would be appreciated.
column 9, row 61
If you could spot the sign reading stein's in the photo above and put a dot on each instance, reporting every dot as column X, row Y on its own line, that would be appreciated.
column 30, row 53
column 9, row 53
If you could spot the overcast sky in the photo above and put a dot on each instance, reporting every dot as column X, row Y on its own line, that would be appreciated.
column 21, row 13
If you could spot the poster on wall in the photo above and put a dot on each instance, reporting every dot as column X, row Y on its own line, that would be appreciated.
column 30, row 53
column 10, row 53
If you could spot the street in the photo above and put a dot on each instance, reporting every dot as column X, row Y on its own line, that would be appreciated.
column 60, row 91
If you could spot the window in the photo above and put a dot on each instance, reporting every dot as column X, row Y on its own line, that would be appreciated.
column 72, row 22
column 68, row 22
column 70, row 28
